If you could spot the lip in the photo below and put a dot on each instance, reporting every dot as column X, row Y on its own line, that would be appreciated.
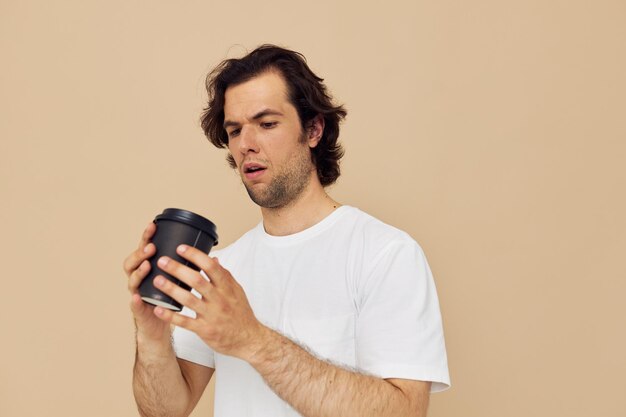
column 260, row 169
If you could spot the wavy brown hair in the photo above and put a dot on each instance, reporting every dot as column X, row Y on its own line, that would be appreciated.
column 306, row 92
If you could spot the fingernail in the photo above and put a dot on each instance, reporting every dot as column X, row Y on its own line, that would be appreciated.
column 159, row 281
column 182, row 248
column 163, row 261
column 145, row 248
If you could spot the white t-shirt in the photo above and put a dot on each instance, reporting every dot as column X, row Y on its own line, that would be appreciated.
column 353, row 290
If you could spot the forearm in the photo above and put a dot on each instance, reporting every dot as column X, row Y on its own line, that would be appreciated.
column 159, row 387
column 318, row 389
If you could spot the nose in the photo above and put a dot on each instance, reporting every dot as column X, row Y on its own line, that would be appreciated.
column 248, row 140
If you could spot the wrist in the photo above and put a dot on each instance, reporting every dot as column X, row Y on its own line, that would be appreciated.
column 153, row 347
column 263, row 348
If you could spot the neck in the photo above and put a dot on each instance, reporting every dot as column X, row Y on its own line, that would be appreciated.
column 309, row 208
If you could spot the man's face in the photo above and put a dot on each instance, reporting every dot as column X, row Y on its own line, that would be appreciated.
column 266, row 140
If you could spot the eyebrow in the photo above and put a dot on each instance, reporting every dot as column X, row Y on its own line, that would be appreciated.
column 259, row 115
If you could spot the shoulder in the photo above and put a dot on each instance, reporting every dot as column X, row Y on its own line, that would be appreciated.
column 374, row 233
column 375, row 247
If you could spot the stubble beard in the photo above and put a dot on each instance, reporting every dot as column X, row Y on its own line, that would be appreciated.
column 287, row 185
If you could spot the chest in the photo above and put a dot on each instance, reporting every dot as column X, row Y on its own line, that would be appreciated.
column 306, row 292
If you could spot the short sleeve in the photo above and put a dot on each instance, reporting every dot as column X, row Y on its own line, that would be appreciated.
column 399, row 332
column 190, row 347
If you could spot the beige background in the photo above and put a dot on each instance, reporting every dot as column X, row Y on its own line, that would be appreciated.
column 492, row 131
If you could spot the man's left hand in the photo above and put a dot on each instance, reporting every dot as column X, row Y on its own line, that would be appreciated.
column 224, row 319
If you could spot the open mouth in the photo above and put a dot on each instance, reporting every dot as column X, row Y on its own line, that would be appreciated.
column 253, row 170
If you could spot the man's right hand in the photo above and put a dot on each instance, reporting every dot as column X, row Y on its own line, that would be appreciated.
column 136, row 267
column 163, row 385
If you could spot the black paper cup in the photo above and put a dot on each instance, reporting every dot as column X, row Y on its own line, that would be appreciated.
column 175, row 227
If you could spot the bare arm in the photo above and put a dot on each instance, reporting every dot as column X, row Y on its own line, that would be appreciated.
column 225, row 321
column 162, row 384
column 318, row 389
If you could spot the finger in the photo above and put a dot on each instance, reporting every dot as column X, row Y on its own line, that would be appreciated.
column 135, row 259
column 179, row 294
column 135, row 278
column 144, row 250
column 211, row 266
column 187, row 275
column 147, row 235
column 176, row 319
column 137, row 306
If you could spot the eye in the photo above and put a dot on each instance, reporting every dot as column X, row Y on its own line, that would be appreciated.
column 234, row 133
column 268, row 125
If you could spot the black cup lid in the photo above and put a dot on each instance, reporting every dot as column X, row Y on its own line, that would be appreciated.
column 190, row 218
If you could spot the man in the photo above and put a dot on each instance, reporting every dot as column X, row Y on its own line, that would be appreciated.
column 321, row 310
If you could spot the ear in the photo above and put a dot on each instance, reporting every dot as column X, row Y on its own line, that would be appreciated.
column 315, row 129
